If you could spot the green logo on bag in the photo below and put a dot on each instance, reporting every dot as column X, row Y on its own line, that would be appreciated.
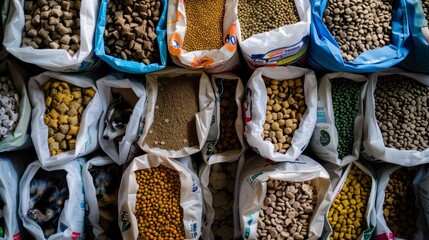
column 125, row 222
column 213, row 120
column 325, row 138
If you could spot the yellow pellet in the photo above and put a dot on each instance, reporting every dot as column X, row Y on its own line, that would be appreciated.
column 346, row 214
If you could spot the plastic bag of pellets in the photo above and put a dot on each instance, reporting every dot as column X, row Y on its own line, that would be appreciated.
column 15, row 108
column 396, row 131
column 183, row 198
column 209, row 45
column 225, row 141
column 64, row 44
column 179, row 111
column 400, row 204
column 280, row 111
column 358, row 52
column 303, row 188
column 340, row 112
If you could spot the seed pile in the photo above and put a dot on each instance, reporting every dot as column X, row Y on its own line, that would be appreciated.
column 358, row 26
column 345, row 102
column 174, row 123
column 204, row 24
column 347, row 213
column 221, row 185
column 158, row 211
column 9, row 107
column 287, row 209
column 399, row 209
column 228, row 139
column 425, row 5
column 285, row 107
column 402, row 112
column 258, row 16
column 65, row 104
column 52, row 24
column 130, row 31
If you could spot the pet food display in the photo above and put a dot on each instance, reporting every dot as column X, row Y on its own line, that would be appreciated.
column 101, row 179
column 52, row 200
column 274, row 32
column 280, row 107
column 15, row 108
column 401, row 202
column 66, row 112
column 225, row 141
column 352, row 211
column 50, row 33
column 218, row 183
column 283, row 199
column 396, row 117
column 202, row 34
column 121, row 123
column 160, row 197
column 340, row 112
column 179, row 112
column 358, row 36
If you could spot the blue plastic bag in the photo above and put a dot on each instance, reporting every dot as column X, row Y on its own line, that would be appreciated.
column 325, row 54
column 126, row 65
column 417, row 60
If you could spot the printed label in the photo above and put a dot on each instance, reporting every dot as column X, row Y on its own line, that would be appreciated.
column 194, row 186
column 325, row 138
column 17, row 236
column 75, row 235
column 386, row 236
column 175, row 44
column 251, row 179
column 248, row 106
column 321, row 115
column 230, row 38
column 210, row 147
column 125, row 221
column 282, row 56
column 193, row 227
column 205, row 62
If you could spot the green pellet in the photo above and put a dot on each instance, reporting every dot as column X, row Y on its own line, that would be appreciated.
column 345, row 101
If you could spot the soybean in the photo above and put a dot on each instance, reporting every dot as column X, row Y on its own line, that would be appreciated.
column 402, row 112
column 287, row 210
column 399, row 208
column 359, row 25
column 204, row 24
column 158, row 211
column 258, row 16
column 285, row 108
column 228, row 139
column 65, row 104
column 345, row 103
column 347, row 213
